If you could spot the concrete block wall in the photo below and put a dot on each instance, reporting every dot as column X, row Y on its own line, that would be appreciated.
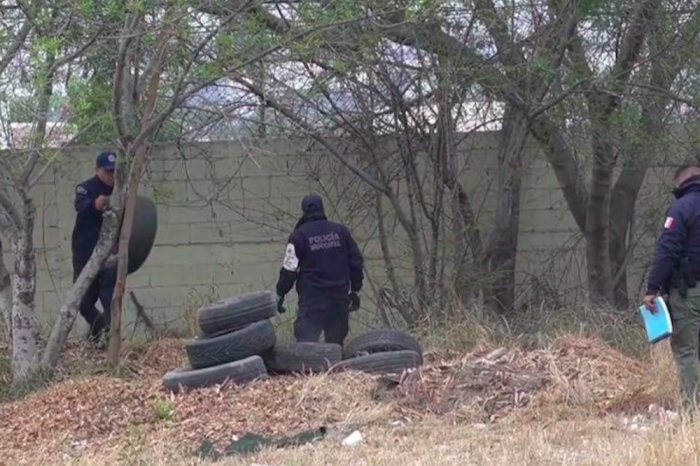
column 226, row 209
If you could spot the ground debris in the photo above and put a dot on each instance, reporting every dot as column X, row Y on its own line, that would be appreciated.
column 493, row 383
column 100, row 408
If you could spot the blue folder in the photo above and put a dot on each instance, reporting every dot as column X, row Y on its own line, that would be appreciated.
column 658, row 324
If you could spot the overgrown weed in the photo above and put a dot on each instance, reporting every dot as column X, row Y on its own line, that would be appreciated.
column 533, row 328
column 11, row 391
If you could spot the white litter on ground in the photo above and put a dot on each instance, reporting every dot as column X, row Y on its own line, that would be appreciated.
column 353, row 439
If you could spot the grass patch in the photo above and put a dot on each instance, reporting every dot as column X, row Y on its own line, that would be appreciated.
column 587, row 442
column 164, row 410
column 534, row 328
column 10, row 391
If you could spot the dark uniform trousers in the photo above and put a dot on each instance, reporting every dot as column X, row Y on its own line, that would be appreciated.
column 102, row 288
column 322, row 314
column 685, row 343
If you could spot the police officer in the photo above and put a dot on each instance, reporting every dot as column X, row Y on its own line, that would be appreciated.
column 91, row 199
column 675, row 268
column 323, row 259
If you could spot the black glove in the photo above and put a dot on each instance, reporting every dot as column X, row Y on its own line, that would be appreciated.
column 280, row 305
column 354, row 302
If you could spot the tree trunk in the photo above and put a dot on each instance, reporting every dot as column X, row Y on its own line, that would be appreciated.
column 465, row 232
column 663, row 74
column 69, row 309
column 5, row 298
column 618, row 257
column 139, row 148
column 503, row 243
column 621, row 217
column 597, row 230
column 24, row 355
column 123, row 254
column 404, row 311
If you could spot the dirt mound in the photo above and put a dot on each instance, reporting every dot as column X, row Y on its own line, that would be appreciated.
column 487, row 385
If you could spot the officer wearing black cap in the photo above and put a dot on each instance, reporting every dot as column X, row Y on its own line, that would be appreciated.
column 91, row 199
column 323, row 259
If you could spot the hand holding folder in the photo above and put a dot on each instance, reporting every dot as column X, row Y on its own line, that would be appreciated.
column 658, row 323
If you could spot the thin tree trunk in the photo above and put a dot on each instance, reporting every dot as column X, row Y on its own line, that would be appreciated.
column 465, row 231
column 503, row 243
column 461, row 278
column 5, row 298
column 69, row 309
column 24, row 354
column 446, row 157
column 123, row 260
column 140, row 150
column 123, row 250
column 259, row 76
column 405, row 312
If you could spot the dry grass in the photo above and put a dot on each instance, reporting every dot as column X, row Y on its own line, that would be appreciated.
column 603, row 442
column 533, row 328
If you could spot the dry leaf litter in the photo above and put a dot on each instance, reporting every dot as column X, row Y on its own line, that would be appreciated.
column 99, row 409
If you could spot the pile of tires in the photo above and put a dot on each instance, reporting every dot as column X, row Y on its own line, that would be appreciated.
column 385, row 351
column 238, row 345
column 236, row 333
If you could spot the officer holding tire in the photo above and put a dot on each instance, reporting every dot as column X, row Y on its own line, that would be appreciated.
column 91, row 199
column 324, row 261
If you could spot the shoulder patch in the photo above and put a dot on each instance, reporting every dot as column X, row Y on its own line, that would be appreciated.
column 80, row 190
column 291, row 261
column 668, row 224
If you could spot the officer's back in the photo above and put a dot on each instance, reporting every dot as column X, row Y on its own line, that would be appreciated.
column 324, row 257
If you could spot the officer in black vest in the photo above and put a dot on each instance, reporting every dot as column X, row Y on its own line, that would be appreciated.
column 323, row 259
column 675, row 271
column 91, row 199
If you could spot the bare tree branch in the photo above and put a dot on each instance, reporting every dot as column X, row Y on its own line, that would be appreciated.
column 16, row 45
column 352, row 166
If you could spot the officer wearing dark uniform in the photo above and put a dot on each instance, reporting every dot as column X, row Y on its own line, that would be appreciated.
column 323, row 259
column 91, row 199
column 675, row 268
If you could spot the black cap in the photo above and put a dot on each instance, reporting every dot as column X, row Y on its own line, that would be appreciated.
column 311, row 204
column 107, row 161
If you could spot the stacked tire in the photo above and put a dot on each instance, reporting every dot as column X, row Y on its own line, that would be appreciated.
column 303, row 357
column 236, row 332
column 384, row 351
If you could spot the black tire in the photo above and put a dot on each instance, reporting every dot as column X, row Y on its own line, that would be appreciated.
column 235, row 313
column 253, row 340
column 303, row 357
column 380, row 341
column 143, row 232
column 382, row 363
column 237, row 372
